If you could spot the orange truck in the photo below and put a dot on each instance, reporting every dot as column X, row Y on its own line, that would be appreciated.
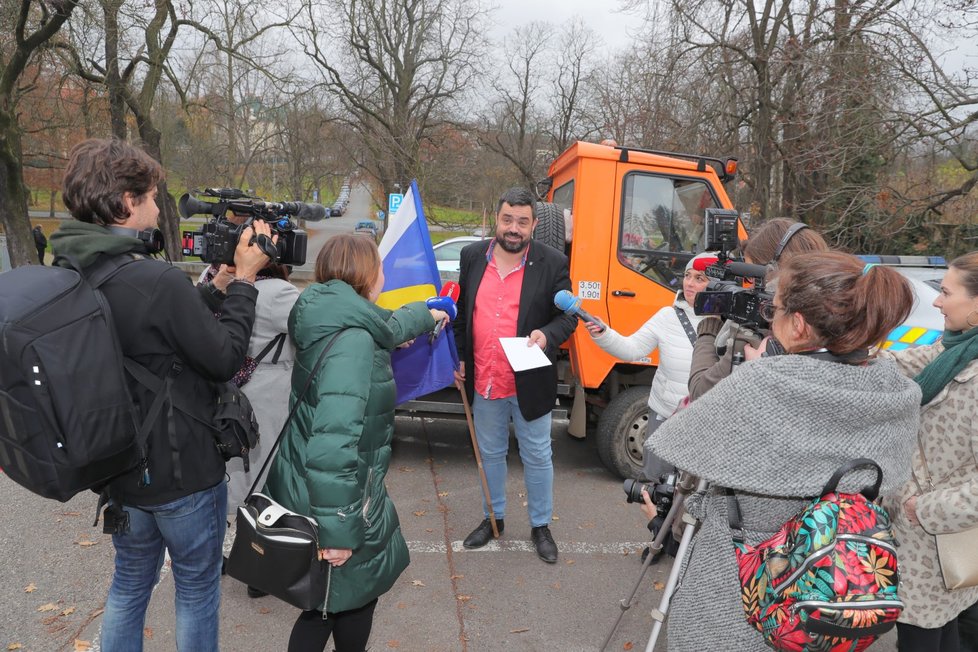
column 629, row 220
column 634, row 218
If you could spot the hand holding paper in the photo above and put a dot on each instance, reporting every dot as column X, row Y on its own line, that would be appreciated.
column 521, row 355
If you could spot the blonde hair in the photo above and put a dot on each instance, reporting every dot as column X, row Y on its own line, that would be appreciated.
column 353, row 259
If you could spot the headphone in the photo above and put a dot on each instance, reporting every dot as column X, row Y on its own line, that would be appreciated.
column 792, row 230
column 152, row 239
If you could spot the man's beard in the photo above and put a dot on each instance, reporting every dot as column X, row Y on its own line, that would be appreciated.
column 512, row 247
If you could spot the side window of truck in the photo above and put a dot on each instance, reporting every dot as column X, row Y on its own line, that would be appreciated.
column 661, row 216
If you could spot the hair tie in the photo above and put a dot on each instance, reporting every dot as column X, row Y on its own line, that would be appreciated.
column 868, row 267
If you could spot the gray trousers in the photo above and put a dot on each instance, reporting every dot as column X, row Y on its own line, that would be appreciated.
column 654, row 467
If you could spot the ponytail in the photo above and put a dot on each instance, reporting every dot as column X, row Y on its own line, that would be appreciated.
column 850, row 306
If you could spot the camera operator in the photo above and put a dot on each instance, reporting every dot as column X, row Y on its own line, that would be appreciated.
column 775, row 431
column 177, row 500
column 719, row 341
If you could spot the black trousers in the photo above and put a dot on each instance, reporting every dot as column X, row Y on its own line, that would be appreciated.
column 917, row 639
column 350, row 630
column 968, row 629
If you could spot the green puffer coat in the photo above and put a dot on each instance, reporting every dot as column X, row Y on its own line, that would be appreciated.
column 334, row 457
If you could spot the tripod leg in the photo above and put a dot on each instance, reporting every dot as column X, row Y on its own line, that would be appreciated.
column 682, row 488
column 660, row 614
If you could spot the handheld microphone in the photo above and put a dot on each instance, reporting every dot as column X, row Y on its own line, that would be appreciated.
column 444, row 301
column 571, row 305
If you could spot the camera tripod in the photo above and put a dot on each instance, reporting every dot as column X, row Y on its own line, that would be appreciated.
column 684, row 486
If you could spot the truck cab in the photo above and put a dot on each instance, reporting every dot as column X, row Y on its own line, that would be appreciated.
column 629, row 220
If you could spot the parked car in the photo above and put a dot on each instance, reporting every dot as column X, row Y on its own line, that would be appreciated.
column 447, row 254
column 366, row 227
column 925, row 323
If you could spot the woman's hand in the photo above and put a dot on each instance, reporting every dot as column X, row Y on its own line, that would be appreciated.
column 754, row 353
column 438, row 315
column 224, row 276
column 335, row 556
column 648, row 507
column 595, row 328
column 910, row 509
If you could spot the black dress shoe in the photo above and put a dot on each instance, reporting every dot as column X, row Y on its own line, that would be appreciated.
column 544, row 542
column 255, row 593
column 482, row 534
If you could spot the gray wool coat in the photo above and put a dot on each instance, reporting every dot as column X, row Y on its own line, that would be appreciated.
column 774, row 431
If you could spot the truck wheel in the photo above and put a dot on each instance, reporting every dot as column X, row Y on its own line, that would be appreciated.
column 621, row 432
column 550, row 228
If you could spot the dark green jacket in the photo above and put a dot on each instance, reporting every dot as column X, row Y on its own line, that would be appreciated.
column 334, row 457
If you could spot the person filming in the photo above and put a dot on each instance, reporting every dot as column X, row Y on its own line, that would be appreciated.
column 775, row 431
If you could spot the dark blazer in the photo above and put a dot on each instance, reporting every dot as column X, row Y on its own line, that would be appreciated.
column 545, row 274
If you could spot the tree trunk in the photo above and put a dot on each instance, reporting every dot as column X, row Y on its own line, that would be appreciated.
column 169, row 218
column 13, row 194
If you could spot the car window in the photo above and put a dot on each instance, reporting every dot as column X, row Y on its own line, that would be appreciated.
column 661, row 217
column 450, row 251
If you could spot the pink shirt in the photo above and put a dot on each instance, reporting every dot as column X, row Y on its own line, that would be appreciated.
column 494, row 314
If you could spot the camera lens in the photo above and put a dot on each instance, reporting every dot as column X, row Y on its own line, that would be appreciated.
column 633, row 490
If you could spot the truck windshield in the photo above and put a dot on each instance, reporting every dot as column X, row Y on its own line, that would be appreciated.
column 661, row 216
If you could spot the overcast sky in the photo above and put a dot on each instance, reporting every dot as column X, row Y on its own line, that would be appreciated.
column 615, row 28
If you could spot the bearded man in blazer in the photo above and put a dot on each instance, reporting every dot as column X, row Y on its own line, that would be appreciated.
column 508, row 285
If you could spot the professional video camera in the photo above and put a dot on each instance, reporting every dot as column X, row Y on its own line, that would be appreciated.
column 725, row 295
column 216, row 240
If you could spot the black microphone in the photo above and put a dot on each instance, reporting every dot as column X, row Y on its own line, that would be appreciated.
column 571, row 305
column 747, row 270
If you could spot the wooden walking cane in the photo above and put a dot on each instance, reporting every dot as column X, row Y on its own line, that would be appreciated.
column 478, row 458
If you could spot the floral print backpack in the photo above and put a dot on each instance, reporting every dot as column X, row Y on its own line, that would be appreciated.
column 827, row 581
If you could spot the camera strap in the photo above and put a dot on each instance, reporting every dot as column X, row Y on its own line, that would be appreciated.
column 687, row 326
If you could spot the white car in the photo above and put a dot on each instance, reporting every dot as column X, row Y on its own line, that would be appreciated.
column 925, row 323
column 447, row 254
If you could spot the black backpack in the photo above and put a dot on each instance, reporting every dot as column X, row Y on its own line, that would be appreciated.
column 67, row 422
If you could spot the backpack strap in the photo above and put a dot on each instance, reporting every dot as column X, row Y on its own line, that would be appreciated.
column 687, row 326
column 862, row 462
column 295, row 408
column 735, row 517
column 161, row 388
column 278, row 339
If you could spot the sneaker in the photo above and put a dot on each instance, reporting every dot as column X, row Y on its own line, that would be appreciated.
column 482, row 534
column 544, row 542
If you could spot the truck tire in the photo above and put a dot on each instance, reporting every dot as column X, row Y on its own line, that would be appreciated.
column 621, row 432
column 550, row 228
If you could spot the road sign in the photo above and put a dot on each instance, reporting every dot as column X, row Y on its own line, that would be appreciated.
column 394, row 202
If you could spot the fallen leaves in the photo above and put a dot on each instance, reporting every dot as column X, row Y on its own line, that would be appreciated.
column 85, row 543
column 148, row 633
column 519, row 630
column 420, row 512
column 30, row 588
column 82, row 646
column 393, row 644
column 442, row 494
column 417, row 583
column 47, row 607
column 463, row 598
column 628, row 645
column 68, row 611
column 15, row 646
column 658, row 586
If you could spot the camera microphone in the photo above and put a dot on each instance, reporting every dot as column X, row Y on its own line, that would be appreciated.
column 571, row 305
column 449, row 290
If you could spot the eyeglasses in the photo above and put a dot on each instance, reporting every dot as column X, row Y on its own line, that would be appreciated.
column 768, row 310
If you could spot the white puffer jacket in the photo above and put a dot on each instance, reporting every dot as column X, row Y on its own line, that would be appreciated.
column 662, row 331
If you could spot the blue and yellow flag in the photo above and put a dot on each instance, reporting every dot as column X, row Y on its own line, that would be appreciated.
column 411, row 274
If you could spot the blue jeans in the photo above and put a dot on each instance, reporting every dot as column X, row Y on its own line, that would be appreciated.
column 492, row 418
column 192, row 529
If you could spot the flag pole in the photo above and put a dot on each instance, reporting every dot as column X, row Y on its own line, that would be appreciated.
column 478, row 458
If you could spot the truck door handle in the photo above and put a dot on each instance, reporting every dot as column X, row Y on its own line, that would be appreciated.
column 623, row 293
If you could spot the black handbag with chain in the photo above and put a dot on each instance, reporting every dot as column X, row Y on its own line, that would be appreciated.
column 276, row 550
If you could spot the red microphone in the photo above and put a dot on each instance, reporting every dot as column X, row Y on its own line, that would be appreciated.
column 450, row 290
column 700, row 264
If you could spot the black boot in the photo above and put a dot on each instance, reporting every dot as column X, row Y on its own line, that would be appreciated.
column 544, row 542
column 482, row 534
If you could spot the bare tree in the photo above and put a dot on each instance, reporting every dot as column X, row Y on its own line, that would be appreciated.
column 514, row 122
column 399, row 67
column 34, row 24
